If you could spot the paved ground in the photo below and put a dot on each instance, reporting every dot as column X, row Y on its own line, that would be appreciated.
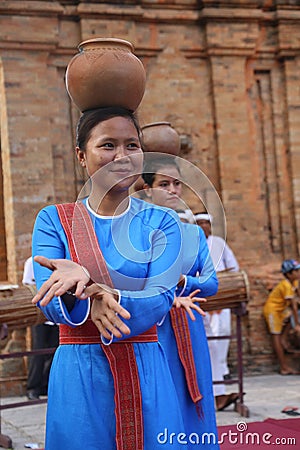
column 265, row 397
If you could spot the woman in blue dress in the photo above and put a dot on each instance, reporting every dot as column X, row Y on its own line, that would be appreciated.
column 163, row 186
column 110, row 385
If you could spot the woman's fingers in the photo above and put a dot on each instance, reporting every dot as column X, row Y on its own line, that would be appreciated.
column 116, row 322
column 97, row 291
column 92, row 290
column 55, row 288
column 112, row 321
column 102, row 330
column 190, row 313
column 198, row 309
column 45, row 288
column 118, row 309
column 67, row 275
column 114, row 326
column 109, row 302
column 52, row 292
column 45, row 262
column 107, row 311
column 193, row 297
column 110, row 327
column 80, row 290
column 194, row 293
column 192, row 305
column 188, row 304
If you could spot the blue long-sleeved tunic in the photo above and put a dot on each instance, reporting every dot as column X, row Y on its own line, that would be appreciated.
column 142, row 249
column 200, row 274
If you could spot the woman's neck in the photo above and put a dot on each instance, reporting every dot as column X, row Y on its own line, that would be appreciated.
column 112, row 204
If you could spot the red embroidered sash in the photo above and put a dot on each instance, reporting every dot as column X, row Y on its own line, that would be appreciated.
column 84, row 249
column 181, row 330
column 86, row 334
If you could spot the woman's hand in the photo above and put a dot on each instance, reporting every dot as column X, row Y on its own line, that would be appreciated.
column 189, row 303
column 106, row 310
column 66, row 275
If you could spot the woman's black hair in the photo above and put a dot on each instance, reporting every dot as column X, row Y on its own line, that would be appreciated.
column 90, row 118
column 152, row 164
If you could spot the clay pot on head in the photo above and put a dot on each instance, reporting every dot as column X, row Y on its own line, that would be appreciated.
column 160, row 137
column 105, row 72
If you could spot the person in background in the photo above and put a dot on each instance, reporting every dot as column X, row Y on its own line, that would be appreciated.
column 183, row 216
column 44, row 335
column 164, row 188
column 218, row 323
column 281, row 306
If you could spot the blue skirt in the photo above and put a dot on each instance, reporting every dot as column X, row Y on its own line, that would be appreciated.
column 80, row 411
column 200, row 421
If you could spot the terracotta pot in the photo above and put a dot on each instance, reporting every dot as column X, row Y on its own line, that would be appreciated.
column 105, row 72
column 160, row 137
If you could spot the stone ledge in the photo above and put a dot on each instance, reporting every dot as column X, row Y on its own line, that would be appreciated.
column 8, row 286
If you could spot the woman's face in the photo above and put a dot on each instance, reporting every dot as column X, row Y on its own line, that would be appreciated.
column 113, row 154
column 167, row 188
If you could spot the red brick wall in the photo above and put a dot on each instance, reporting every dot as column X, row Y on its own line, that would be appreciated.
column 225, row 74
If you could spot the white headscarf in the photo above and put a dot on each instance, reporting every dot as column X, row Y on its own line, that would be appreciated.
column 204, row 216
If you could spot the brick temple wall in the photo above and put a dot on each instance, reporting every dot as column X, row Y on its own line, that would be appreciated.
column 224, row 73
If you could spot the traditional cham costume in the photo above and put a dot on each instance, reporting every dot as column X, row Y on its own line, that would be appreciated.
column 186, row 346
column 142, row 251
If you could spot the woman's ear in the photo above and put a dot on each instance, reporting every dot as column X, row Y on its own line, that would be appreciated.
column 148, row 191
column 81, row 156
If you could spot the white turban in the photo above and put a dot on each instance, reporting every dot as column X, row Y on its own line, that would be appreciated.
column 203, row 216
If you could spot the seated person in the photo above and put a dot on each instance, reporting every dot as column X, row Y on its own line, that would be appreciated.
column 280, row 305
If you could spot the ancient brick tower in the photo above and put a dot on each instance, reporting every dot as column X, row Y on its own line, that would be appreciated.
column 225, row 73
